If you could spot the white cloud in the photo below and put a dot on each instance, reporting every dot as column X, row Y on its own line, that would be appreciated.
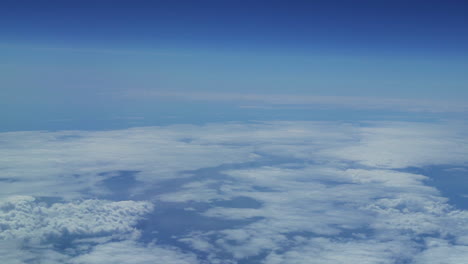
column 21, row 217
column 400, row 145
column 11, row 252
column 65, row 164
column 378, row 205
column 326, row 251
column 130, row 252
column 30, row 228
column 441, row 252
column 329, row 192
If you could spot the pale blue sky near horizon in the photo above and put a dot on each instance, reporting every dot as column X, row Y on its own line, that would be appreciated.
column 67, row 58
column 65, row 83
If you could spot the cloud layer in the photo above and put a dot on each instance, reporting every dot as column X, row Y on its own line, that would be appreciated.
column 293, row 191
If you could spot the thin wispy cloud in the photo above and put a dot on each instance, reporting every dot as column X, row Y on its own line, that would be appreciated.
column 304, row 101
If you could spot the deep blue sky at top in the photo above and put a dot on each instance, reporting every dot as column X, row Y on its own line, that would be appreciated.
column 422, row 27
column 65, row 56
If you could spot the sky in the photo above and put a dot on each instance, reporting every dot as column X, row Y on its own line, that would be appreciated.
column 233, row 132
column 61, row 57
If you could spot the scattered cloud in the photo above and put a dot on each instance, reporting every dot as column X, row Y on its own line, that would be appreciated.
column 294, row 191
column 21, row 217
column 130, row 252
column 328, row 251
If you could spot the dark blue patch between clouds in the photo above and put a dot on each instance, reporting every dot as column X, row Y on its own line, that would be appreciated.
column 451, row 181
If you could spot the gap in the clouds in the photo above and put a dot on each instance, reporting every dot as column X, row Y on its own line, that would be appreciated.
column 122, row 185
column 296, row 238
column 170, row 222
column 170, row 219
column 8, row 180
column 77, row 244
column 210, row 173
column 49, row 200
column 450, row 180
column 68, row 137
column 238, row 202
column 262, row 189
column 119, row 184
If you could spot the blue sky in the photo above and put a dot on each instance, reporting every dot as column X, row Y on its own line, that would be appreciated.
column 65, row 55
column 81, row 60
column 342, row 26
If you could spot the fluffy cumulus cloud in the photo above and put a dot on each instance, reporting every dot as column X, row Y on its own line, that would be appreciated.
column 21, row 217
column 31, row 229
column 276, row 192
